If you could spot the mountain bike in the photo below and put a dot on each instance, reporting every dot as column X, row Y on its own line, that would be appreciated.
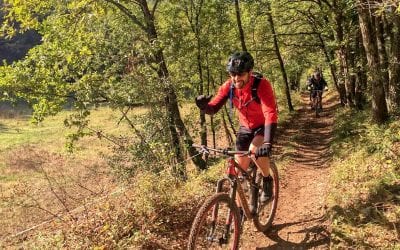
column 317, row 101
column 219, row 221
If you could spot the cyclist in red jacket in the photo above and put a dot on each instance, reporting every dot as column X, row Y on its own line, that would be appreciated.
column 257, row 114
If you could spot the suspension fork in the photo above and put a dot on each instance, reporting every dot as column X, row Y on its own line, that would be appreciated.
column 231, row 179
column 229, row 215
column 220, row 184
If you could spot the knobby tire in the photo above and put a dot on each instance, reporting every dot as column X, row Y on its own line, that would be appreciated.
column 201, row 220
column 266, row 212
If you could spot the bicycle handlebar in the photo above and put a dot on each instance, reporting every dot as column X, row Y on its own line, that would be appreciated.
column 205, row 149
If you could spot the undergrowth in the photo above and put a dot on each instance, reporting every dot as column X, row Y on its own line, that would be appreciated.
column 365, row 196
column 152, row 211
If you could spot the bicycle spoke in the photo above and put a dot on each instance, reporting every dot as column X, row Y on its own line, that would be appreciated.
column 216, row 225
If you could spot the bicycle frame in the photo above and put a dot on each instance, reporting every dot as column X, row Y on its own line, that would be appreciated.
column 317, row 100
column 318, row 96
column 234, row 178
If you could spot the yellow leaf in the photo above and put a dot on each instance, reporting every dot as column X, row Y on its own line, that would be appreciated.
column 106, row 227
column 69, row 58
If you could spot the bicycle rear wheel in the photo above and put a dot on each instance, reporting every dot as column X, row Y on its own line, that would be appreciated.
column 266, row 211
column 217, row 224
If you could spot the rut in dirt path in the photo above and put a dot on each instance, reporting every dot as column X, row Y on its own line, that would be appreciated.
column 301, row 221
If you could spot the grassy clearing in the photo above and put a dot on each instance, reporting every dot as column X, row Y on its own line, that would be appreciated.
column 51, row 132
column 365, row 194
column 40, row 178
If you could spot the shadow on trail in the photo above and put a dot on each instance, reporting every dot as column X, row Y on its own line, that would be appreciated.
column 314, row 236
column 308, row 136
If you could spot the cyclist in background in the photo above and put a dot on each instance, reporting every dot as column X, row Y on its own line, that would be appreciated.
column 316, row 82
column 257, row 115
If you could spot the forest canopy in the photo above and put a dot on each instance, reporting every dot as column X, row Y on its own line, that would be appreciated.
column 163, row 53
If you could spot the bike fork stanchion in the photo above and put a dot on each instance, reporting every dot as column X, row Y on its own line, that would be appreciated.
column 210, row 236
column 225, row 236
column 228, row 223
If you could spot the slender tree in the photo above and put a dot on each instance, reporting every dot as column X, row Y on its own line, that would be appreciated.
column 279, row 56
column 239, row 24
column 393, row 26
column 193, row 13
column 379, row 108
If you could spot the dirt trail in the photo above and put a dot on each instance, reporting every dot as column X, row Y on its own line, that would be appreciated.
column 301, row 221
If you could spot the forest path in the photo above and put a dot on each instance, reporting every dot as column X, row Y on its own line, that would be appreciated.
column 301, row 221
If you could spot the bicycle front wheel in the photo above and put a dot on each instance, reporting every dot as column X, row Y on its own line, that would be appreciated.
column 217, row 224
column 317, row 107
column 266, row 211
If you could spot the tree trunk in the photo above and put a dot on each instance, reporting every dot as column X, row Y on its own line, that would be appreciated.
column 383, row 57
column 225, row 113
column 208, row 92
column 203, row 132
column 343, row 81
column 379, row 108
column 332, row 68
column 240, row 28
column 228, row 134
column 345, row 76
column 394, row 82
column 351, row 91
column 278, row 54
column 359, row 72
column 176, row 126
column 193, row 12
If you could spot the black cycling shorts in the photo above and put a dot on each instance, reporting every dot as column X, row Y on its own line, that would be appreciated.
column 245, row 136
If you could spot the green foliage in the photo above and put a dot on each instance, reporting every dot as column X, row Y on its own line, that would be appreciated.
column 149, row 150
column 93, row 53
column 365, row 198
column 355, row 128
column 27, row 13
column 153, row 192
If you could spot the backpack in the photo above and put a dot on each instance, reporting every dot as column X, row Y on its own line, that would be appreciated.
column 257, row 80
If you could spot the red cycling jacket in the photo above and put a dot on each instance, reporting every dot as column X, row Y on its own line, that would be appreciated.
column 251, row 113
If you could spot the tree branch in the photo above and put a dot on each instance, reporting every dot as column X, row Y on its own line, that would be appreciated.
column 154, row 7
column 128, row 13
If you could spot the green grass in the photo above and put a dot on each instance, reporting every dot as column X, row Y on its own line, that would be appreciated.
column 365, row 193
column 52, row 134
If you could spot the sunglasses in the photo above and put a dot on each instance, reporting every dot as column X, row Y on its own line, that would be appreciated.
column 233, row 74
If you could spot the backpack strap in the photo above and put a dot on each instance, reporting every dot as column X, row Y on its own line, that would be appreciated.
column 254, row 88
column 231, row 95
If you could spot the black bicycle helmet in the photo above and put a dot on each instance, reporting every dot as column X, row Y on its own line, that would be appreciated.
column 240, row 62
